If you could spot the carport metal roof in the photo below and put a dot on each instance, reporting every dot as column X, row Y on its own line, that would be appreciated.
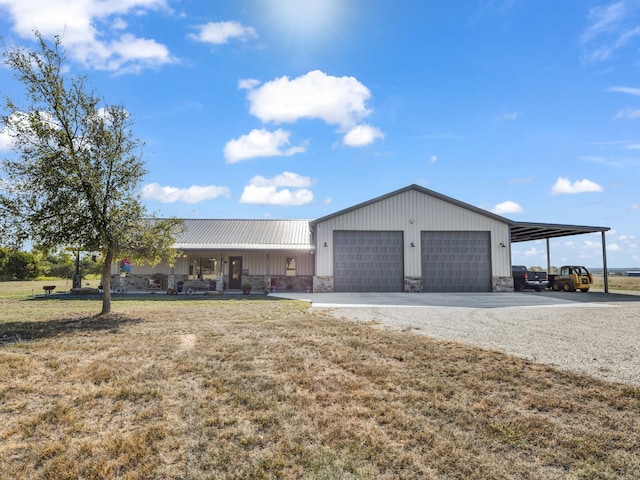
column 527, row 231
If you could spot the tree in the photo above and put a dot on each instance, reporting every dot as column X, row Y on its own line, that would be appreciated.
column 76, row 178
column 22, row 266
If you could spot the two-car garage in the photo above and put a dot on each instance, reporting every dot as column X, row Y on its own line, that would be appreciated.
column 373, row 261
column 412, row 240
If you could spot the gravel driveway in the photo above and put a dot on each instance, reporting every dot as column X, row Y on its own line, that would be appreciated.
column 600, row 339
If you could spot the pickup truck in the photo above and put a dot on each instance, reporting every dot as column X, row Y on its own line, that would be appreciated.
column 523, row 278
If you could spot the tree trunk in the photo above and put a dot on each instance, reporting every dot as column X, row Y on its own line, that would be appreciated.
column 106, row 283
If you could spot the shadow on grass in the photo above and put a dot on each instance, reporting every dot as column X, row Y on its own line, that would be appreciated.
column 155, row 297
column 18, row 332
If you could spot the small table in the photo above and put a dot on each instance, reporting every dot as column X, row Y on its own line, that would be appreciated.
column 48, row 289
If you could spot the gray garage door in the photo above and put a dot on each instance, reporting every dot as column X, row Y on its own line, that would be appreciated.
column 456, row 261
column 368, row 261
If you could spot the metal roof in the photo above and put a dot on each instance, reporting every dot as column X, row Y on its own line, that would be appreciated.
column 268, row 234
column 245, row 234
column 526, row 231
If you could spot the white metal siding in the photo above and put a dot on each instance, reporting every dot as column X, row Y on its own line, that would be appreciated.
column 258, row 262
column 412, row 212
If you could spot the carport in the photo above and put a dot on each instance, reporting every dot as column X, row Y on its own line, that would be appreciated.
column 526, row 231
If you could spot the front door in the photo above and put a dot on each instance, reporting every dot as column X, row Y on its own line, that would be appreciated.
column 235, row 273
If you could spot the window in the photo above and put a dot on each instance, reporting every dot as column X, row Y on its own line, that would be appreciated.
column 204, row 268
column 291, row 267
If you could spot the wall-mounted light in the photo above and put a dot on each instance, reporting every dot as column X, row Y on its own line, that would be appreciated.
column 413, row 244
column 325, row 244
column 503, row 245
column 411, row 222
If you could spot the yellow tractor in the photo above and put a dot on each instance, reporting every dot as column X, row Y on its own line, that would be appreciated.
column 571, row 278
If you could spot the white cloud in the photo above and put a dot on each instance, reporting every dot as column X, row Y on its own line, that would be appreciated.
column 610, row 28
column 626, row 238
column 532, row 252
column 267, row 191
column 6, row 140
column 339, row 101
column 628, row 114
column 564, row 186
column 603, row 19
column 260, row 143
column 629, row 90
column 218, row 33
column 248, row 83
column 18, row 128
column 508, row 116
column 433, row 159
column 193, row 194
column 592, row 245
column 336, row 100
column 635, row 207
column 92, row 30
column 613, row 247
column 520, row 180
column 362, row 135
column 507, row 207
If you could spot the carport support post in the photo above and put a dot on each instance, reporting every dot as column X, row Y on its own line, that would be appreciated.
column 605, row 272
column 548, row 258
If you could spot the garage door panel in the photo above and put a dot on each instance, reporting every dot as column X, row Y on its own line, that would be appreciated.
column 368, row 261
column 456, row 261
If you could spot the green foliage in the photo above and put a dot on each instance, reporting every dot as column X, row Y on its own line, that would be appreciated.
column 15, row 265
column 77, row 174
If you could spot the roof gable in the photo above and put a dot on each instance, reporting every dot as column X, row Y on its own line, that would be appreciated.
column 422, row 190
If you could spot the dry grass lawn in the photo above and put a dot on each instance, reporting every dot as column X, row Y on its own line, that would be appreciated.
column 627, row 284
column 199, row 389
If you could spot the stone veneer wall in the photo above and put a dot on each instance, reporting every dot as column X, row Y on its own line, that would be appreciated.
column 323, row 284
column 502, row 284
column 283, row 283
column 280, row 283
column 413, row 284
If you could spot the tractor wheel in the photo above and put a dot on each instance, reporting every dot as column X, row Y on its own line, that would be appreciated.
column 118, row 289
column 556, row 286
column 568, row 287
column 191, row 291
column 584, row 290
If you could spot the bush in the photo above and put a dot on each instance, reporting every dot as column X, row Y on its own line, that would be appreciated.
column 19, row 266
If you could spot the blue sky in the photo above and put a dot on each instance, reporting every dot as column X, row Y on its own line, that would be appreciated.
column 297, row 109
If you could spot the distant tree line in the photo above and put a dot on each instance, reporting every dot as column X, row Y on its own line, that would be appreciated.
column 19, row 265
